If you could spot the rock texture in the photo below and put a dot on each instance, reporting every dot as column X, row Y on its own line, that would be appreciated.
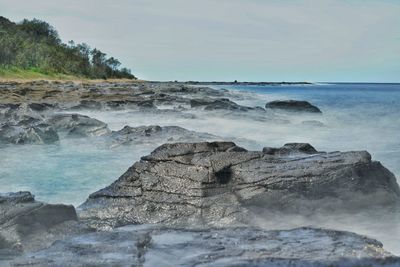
column 217, row 104
column 293, row 105
column 40, row 133
column 27, row 109
column 220, row 183
column 76, row 125
column 26, row 224
column 43, row 96
column 20, row 124
column 156, row 134
column 158, row 246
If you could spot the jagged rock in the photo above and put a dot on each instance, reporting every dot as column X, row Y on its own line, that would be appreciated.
column 36, row 134
column 157, row 134
column 88, row 104
column 26, row 224
column 293, row 105
column 40, row 107
column 158, row 246
column 220, row 183
column 76, row 125
column 126, row 104
column 217, row 104
column 20, row 124
column 290, row 149
column 20, row 114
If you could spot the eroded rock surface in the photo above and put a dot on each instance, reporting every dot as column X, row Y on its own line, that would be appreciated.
column 26, row 224
column 76, row 125
column 220, row 183
column 217, row 104
column 20, row 124
column 293, row 106
column 158, row 246
column 146, row 96
column 157, row 134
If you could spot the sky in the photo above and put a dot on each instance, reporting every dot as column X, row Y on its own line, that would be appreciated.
column 226, row 40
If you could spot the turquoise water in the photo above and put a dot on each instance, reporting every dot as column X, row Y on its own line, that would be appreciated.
column 356, row 117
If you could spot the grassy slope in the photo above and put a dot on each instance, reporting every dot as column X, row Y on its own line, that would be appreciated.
column 23, row 75
column 33, row 74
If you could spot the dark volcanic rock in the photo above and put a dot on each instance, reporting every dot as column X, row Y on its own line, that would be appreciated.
column 290, row 149
column 26, row 224
column 158, row 246
column 76, row 125
column 293, row 105
column 219, row 183
column 217, row 104
column 157, row 134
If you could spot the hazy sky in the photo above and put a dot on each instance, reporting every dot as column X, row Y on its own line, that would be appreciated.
column 258, row 40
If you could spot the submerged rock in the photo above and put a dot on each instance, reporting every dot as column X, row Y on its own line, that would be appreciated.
column 293, row 105
column 40, row 133
column 20, row 124
column 76, row 125
column 159, row 246
column 27, row 224
column 157, row 134
column 217, row 104
column 313, row 123
column 220, row 183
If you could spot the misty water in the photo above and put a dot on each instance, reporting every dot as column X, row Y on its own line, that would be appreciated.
column 355, row 117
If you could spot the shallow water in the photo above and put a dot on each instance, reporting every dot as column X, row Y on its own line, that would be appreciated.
column 356, row 117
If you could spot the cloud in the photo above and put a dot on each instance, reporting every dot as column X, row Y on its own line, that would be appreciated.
column 235, row 39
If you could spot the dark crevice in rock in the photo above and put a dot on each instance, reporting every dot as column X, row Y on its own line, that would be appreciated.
column 224, row 176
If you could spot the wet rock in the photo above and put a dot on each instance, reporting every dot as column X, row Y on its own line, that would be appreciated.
column 157, row 134
column 20, row 114
column 20, row 124
column 76, row 125
column 40, row 107
column 159, row 246
column 220, row 183
column 130, row 104
column 88, row 104
column 291, row 149
column 27, row 224
column 217, row 104
column 40, row 133
column 293, row 105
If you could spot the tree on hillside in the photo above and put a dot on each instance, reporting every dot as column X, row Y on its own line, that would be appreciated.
column 36, row 44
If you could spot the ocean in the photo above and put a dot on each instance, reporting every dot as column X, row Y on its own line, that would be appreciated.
column 356, row 116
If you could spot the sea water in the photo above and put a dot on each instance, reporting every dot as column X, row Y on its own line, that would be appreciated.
column 355, row 117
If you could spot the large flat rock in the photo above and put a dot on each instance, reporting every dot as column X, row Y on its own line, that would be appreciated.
column 158, row 246
column 26, row 224
column 220, row 184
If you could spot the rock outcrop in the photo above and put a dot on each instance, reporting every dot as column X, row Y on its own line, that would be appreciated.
column 76, row 125
column 217, row 104
column 27, row 224
column 293, row 106
column 20, row 124
column 156, row 134
column 40, row 133
column 159, row 246
column 219, row 183
column 53, row 96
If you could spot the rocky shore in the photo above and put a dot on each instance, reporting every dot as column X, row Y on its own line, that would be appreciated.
column 194, row 200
